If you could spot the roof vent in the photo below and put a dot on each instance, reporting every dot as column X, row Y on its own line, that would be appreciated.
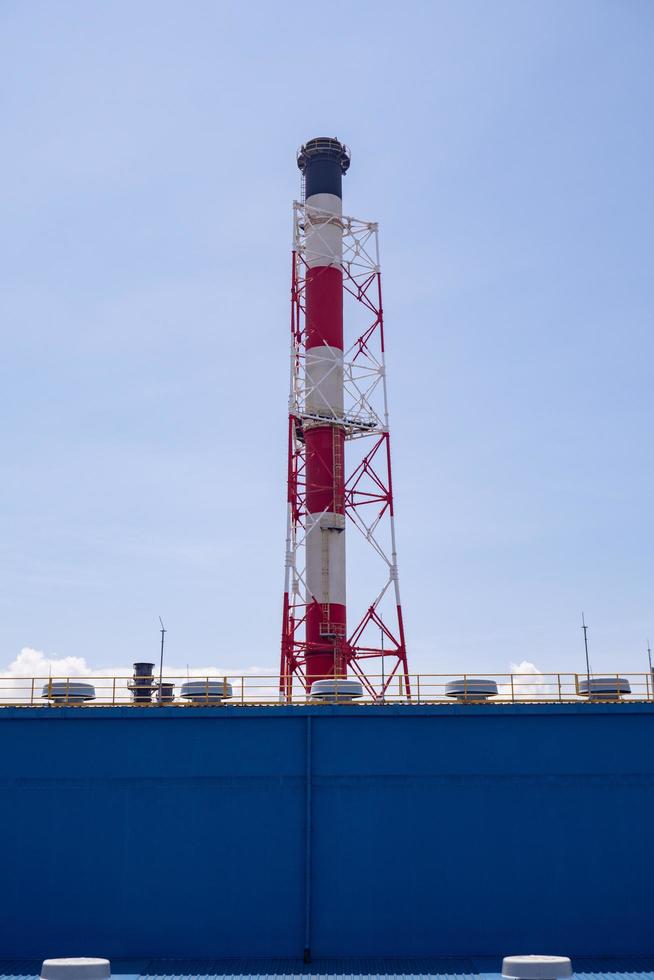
column 604, row 688
column 76, row 968
column 142, row 684
column 471, row 689
column 68, row 692
column 206, row 692
column 536, row 967
column 165, row 693
column 336, row 690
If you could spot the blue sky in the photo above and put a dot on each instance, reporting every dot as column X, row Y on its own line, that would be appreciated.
column 148, row 172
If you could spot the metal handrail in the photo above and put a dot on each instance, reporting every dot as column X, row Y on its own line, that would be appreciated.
column 116, row 690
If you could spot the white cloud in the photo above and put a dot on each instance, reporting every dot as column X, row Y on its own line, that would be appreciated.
column 529, row 683
column 23, row 679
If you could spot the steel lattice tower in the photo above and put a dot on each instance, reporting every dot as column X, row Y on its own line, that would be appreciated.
column 339, row 460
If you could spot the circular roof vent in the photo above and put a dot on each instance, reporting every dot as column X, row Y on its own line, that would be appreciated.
column 604, row 688
column 206, row 692
column 68, row 692
column 336, row 690
column 471, row 689
column 536, row 967
column 76, row 968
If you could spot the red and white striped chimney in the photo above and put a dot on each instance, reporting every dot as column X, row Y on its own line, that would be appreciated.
column 323, row 161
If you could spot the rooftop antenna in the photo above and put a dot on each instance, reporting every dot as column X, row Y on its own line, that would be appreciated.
column 585, row 629
column 163, row 634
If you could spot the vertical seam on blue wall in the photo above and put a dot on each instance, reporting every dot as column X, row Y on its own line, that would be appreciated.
column 307, row 846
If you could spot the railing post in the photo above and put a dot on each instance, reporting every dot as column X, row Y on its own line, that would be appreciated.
column 512, row 689
column 558, row 677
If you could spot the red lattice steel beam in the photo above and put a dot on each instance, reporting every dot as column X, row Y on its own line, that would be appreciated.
column 338, row 399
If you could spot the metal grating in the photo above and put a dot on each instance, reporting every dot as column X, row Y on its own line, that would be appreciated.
column 331, row 969
column 338, row 969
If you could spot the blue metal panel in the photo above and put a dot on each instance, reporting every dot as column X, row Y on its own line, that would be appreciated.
column 338, row 969
column 357, row 969
column 265, row 969
column 434, row 831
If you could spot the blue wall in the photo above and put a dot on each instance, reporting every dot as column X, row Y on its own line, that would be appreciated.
column 434, row 830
